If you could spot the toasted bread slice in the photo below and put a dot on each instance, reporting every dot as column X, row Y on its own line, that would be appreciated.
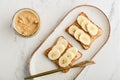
column 92, row 37
column 78, row 55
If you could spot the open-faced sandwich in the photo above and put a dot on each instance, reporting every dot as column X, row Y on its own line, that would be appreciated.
column 84, row 30
column 63, row 53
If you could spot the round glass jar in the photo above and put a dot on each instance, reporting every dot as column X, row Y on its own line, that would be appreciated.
column 26, row 22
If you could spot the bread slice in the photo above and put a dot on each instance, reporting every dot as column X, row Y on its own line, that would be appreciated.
column 79, row 54
column 92, row 38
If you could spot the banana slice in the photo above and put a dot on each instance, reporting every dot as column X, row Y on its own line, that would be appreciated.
column 84, row 25
column 85, row 39
column 63, row 42
column 64, row 61
column 92, row 29
column 60, row 47
column 54, row 54
column 78, row 33
column 70, row 55
column 80, row 19
column 72, row 50
column 72, row 29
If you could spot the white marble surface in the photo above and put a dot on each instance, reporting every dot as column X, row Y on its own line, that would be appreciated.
column 15, row 51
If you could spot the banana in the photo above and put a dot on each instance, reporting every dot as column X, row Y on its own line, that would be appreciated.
column 80, row 19
column 64, row 61
column 63, row 42
column 70, row 55
column 54, row 54
column 92, row 29
column 78, row 33
column 72, row 50
column 72, row 29
column 84, row 25
column 60, row 47
column 85, row 39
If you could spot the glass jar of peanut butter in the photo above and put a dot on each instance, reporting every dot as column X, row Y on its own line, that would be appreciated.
column 26, row 22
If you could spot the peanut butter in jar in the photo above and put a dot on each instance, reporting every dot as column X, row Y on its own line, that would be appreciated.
column 26, row 22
